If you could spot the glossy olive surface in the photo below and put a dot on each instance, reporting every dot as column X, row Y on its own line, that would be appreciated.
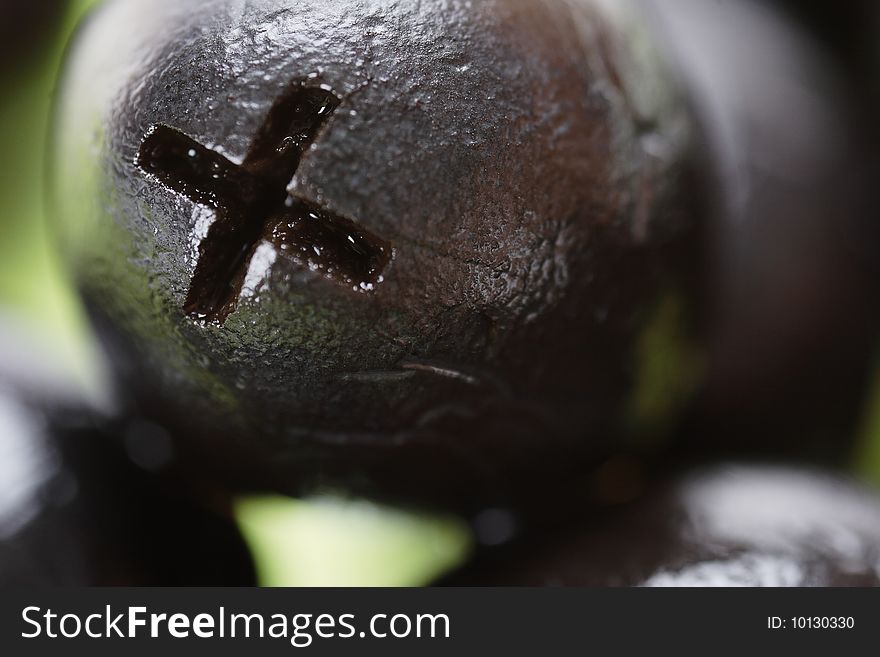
column 724, row 526
column 433, row 286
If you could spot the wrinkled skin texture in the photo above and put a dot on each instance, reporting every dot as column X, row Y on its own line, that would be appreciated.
column 527, row 195
column 725, row 526
column 77, row 510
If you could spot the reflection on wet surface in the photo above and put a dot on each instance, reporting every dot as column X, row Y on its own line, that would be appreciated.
column 25, row 464
column 782, row 511
column 723, row 526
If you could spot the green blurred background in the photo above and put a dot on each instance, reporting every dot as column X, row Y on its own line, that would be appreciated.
column 329, row 541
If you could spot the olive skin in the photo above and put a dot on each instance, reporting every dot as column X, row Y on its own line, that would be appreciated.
column 514, row 169
column 730, row 525
column 89, row 502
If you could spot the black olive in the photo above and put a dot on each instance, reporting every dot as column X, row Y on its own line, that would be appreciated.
column 82, row 502
column 723, row 526
column 25, row 27
column 847, row 32
column 405, row 249
column 792, row 274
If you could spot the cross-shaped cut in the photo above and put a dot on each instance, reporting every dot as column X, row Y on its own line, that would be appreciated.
column 251, row 202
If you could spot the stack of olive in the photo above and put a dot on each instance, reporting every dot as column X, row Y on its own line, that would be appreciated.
column 523, row 260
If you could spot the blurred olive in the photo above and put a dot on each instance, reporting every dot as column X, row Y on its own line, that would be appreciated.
column 85, row 502
column 792, row 266
column 721, row 526
column 25, row 26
